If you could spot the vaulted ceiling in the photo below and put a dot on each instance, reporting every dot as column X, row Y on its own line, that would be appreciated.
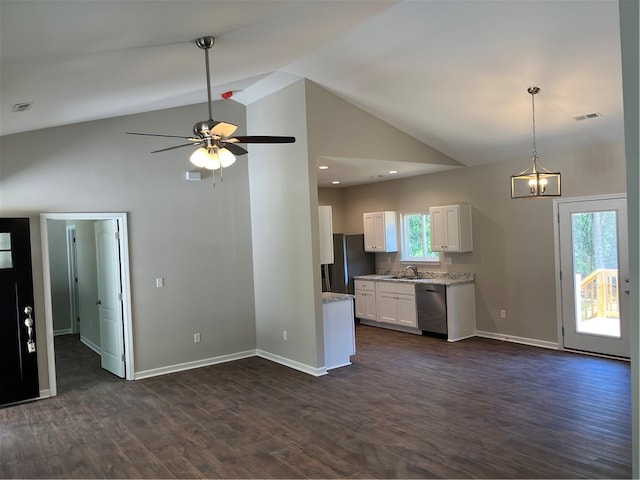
column 452, row 74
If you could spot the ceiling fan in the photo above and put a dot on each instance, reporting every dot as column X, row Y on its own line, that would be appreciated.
column 218, row 148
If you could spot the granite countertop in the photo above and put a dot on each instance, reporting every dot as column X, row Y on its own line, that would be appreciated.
column 433, row 278
column 335, row 297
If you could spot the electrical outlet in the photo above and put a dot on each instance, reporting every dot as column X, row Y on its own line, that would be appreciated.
column 448, row 260
column 284, row 334
column 503, row 314
column 196, row 338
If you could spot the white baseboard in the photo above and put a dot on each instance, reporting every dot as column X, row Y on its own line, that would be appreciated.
column 316, row 372
column 457, row 339
column 45, row 393
column 154, row 372
column 64, row 331
column 514, row 339
column 91, row 345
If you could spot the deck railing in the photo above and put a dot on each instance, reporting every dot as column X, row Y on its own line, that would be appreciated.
column 600, row 294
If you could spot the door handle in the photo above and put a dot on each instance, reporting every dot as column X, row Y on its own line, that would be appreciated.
column 28, row 322
column 99, row 302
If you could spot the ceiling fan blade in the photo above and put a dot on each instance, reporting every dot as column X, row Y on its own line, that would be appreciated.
column 193, row 139
column 224, row 129
column 235, row 149
column 178, row 146
column 263, row 139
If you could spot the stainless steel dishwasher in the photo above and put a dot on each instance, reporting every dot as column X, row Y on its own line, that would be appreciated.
column 431, row 303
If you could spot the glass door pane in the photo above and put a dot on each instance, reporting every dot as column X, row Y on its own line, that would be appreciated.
column 595, row 269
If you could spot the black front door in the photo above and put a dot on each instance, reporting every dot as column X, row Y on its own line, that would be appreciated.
column 18, row 363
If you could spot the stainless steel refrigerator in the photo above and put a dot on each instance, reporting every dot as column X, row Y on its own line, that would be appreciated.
column 350, row 259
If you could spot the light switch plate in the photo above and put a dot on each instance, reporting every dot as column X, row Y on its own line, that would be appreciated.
column 159, row 282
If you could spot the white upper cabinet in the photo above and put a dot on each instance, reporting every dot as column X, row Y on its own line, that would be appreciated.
column 381, row 232
column 451, row 228
column 326, row 234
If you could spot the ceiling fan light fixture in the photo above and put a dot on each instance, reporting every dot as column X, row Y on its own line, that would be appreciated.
column 219, row 148
column 201, row 158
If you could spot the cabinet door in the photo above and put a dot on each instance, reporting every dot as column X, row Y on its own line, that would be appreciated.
column 452, row 228
column 361, row 304
column 369, row 232
column 438, row 229
column 371, row 306
column 379, row 232
column 407, row 311
column 387, row 307
column 326, row 234
column 365, row 305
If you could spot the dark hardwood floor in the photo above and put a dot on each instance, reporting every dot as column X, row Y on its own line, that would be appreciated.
column 408, row 407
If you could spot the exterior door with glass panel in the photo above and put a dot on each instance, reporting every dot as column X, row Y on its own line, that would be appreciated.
column 595, row 275
column 18, row 357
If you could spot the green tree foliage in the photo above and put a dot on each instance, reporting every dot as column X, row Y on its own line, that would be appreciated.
column 595, row 243
column 418, row 236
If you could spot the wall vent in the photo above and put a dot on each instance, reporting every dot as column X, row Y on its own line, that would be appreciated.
column 22, row 107
column 587, row 116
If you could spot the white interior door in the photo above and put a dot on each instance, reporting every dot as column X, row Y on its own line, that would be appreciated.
column 110, row 296
column 595, row 275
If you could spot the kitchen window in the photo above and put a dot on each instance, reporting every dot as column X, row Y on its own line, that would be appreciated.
column 416, row 239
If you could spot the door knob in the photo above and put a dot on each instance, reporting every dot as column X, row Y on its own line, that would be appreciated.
column 99, row 302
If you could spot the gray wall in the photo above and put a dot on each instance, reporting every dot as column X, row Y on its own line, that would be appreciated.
column 284, row 222
column 60, row 295
column 513, row 255
column 196, row 236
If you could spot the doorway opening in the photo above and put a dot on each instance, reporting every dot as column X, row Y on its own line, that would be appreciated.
column 108, row 328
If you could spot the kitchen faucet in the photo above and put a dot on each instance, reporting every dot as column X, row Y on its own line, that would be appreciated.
column 413, row 269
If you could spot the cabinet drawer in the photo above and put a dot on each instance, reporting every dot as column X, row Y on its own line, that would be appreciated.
column 368, row 285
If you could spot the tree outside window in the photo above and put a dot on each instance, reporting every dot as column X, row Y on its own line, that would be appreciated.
column 416, row 234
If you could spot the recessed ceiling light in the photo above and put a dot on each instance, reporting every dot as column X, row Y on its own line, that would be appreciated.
column 393, row 171
column 323, row 167
column 335, row 182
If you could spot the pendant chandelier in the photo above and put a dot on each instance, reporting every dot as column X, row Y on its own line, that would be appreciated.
column 536, row 181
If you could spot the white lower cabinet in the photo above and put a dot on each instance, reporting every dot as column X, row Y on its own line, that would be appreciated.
column 365, row 293
column 396, row 303
column 339, row 333
column 393, row 305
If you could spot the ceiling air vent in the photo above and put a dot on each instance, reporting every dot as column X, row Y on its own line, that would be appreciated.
column 588, row 116
column 22, row 107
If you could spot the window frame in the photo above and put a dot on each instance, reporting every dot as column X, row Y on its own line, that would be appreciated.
column 404, row 247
